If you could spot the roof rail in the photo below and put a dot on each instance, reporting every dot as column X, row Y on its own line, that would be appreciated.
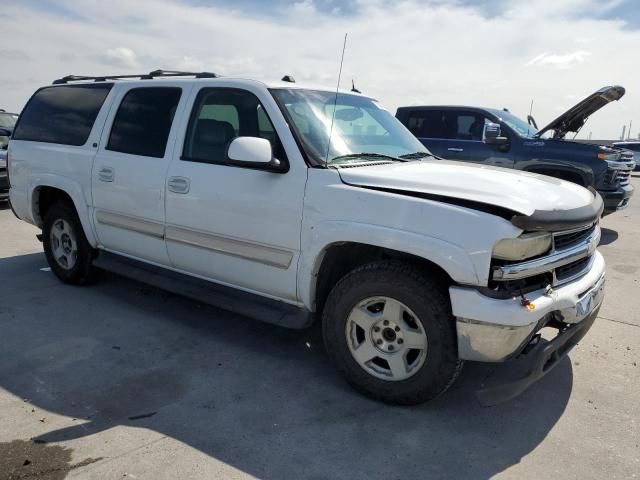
column 143, row 76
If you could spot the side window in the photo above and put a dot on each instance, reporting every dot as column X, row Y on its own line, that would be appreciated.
column 427, row 123
column 464, row 125
column 143, row 121
column 221, row 114
column 62, row 114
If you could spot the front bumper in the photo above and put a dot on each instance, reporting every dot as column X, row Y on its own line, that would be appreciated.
column 495, row 330
column 618, row 199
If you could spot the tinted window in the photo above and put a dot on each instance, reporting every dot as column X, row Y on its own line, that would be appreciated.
column 221, row 114
column 427, row 123
column 464, row 125
column 63, row 114
column 143, row 121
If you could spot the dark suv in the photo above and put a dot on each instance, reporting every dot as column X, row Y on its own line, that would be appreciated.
column 497, row 137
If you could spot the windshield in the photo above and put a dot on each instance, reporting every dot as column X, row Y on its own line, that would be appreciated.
column 8, row 120
column 518, row 125
column 360, row 127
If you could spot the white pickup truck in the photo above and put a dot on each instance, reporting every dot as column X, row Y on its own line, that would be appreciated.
column 289, row 203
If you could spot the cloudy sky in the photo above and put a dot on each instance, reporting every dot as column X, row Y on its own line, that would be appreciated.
column 499, row 53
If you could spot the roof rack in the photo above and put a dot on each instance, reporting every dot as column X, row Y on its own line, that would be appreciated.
column 143, row 76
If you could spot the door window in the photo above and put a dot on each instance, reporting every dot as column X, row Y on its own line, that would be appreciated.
column 463, row 125
column 143, row 121
column 221, row 114
column 427, row 123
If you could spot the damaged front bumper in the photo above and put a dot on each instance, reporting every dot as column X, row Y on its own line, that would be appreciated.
column 497, row 330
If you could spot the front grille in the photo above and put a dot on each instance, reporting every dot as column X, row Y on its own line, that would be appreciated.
column 623, row 177
column 568, row 239
column 571, row 270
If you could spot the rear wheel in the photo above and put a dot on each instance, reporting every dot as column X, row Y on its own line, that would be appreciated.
column 66, row 248
column 389, row 329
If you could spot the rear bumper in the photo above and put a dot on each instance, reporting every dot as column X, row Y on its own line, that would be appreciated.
column 618, row 199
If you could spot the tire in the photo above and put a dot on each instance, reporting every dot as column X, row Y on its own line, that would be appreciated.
column 66, row 247
column 373, row 294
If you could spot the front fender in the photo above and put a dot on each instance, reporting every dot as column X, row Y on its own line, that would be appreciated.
column 451, row 258
column 71, row 188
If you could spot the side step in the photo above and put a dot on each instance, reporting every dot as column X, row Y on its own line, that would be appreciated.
column 227, row 298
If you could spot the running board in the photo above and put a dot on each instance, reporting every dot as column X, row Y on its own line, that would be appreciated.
column 227, row 298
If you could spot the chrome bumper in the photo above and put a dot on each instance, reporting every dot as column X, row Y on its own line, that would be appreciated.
column 493, row 330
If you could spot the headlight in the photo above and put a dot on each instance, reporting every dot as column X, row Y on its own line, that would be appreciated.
column 525, row 246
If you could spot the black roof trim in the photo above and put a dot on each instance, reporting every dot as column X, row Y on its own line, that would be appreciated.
column 143, row 76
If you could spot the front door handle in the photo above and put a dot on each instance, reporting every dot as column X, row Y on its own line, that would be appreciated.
column 178, row 184
column 106, row 174
column 451, row 149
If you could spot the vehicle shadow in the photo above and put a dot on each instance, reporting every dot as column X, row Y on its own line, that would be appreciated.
column 607, row 236
column 258, row 397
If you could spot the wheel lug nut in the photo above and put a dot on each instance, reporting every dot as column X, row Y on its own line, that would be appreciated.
column 390, row 348
column 376, row 329
column 386, row 322
column 379, row 342
column 397, row 329
column 400, row 341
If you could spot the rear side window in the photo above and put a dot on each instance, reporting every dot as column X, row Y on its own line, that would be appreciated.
column 427, row 123
column 62, row 114
column 143, row 121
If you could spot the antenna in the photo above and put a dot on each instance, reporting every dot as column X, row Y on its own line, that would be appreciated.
column 529, row 117
column 353, row 87
column 335, row 101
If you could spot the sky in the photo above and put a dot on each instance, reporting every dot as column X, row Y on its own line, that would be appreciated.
column 493, row 53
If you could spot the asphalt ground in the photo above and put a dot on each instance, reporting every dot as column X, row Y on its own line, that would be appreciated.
column 120, row 380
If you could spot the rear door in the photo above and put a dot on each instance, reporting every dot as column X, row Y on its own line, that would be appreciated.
column 427, row 126
column 235, row 225
column 130, row 167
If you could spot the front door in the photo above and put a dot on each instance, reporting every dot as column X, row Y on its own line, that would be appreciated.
column 237, row 226
column 129, row 171
column 463, row 130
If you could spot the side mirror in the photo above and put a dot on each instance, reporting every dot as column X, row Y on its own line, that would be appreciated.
column 492, row 134
column 252, row 152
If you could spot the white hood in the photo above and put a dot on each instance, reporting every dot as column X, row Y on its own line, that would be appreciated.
column 518, row 191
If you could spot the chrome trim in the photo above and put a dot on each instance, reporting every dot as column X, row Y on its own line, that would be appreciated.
column 548, row 263
column 230, row 246
column 138, row 225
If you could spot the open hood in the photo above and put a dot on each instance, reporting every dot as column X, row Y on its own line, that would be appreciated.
column 574, row 118
column 515, row 191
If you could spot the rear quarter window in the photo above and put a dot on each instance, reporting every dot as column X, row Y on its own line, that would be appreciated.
column 61, row 114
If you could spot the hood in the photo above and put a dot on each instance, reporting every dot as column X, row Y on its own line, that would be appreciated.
column 574, row 118
column 516, row 191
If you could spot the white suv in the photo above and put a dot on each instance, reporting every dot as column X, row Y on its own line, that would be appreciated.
column 289, row 203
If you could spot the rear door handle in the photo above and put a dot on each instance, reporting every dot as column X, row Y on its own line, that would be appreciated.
column 106, row 174
column 451, row 149
column 178, row 184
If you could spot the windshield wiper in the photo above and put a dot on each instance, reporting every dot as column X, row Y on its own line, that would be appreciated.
column 416, row 155
column 368, row 155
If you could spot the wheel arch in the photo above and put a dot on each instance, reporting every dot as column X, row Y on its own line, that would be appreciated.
column 50, row 190
column 338, row 247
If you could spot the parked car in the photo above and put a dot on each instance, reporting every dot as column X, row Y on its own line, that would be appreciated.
column 4, row 182
column 7, row 122
column 258, row 198
column 634, row 147
column 458, row 133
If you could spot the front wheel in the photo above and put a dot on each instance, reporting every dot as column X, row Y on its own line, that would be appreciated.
column 389, row 329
